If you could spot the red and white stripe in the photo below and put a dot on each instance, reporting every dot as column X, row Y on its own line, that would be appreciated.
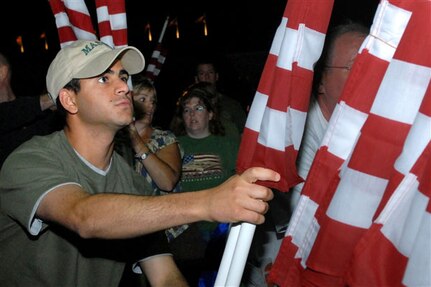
column 363, row 218
column 158, row 56
column 276, row 120
column 112, row 21
column 157, row 60
column 73, row 21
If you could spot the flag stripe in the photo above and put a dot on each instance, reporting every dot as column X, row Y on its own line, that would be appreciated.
column 112, row 22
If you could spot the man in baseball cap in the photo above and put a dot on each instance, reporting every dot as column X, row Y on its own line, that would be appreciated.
column 73, row 212
column 86, row 59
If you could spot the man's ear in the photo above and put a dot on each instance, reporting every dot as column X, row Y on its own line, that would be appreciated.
column 68, row 100
column 210, row 115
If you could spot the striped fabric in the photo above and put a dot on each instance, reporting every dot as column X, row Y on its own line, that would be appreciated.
column 363, row 218
column 73, row 21
column 112, row 21
column 276, row 120
column 158, row 56
column 157, row 60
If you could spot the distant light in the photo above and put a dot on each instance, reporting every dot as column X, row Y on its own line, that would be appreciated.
column 205, row 27
column 43, row 36
column 177, row 31
column 20, row 44
column 148, row 28
column 203, row 19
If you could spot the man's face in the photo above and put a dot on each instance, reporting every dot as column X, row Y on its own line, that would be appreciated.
column 341, row 60
column 105, row 100
column 206, row 73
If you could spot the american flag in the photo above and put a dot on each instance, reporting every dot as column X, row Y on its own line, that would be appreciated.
column 199, row 166
column 73, row 21
column 363, row 218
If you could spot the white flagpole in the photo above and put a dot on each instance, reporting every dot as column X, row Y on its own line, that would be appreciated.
column 228, row 254
column 165, row 25
column 235, row 255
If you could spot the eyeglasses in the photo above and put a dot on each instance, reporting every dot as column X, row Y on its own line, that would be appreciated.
column 198, row 109
column 347, row 68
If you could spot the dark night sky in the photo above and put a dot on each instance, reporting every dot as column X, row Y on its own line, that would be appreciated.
column 240, row 35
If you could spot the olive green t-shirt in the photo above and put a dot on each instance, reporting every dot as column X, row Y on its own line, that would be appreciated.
column 36, row 253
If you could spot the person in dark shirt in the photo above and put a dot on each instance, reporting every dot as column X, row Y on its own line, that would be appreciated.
column 22, row 117
column 230, row 108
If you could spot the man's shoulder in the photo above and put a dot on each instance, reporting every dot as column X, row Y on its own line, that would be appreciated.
column 45, row 141
column 40, row 146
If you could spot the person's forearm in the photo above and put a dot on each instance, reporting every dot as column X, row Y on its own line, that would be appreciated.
column 161, row 173
column 162, row 271
column 116, row 216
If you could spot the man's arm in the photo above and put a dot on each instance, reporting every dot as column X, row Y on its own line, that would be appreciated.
column 124, row 216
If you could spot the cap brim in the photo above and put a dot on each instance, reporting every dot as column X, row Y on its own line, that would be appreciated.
column 131, row 58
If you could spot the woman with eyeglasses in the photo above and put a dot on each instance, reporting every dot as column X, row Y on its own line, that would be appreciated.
column 209, row 159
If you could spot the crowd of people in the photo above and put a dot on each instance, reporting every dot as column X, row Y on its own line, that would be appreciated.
column 89, row 185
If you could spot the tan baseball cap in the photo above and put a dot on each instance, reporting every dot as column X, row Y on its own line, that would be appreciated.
column 85, row 59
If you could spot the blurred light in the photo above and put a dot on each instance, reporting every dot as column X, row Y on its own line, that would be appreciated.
column 148, row 28
column 19, row 42
column 43, row 36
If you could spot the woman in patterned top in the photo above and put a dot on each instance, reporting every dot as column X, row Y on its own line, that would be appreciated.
column 160, row 162
column 160, row 157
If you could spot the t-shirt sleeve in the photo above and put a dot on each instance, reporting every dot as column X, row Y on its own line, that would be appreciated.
column 22, row 185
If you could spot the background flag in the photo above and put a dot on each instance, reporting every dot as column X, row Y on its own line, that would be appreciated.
column 112, row 21
column 363, row 218
column 73, row 21
column 158, row 56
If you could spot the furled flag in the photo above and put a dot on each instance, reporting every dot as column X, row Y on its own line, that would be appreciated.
column 158, row 56
column 112, row 21
column 73, row 21
column 276, row 120
column 363, row 218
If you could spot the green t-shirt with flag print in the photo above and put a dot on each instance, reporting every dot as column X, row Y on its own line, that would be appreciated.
column 207, row 162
